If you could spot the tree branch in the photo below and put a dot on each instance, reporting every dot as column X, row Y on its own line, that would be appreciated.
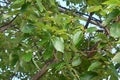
column 76, row 13
column 7, row 25
column 64, row 9
column 93, row 49
column 43, row 70
column 91, row 19
column 88, row 21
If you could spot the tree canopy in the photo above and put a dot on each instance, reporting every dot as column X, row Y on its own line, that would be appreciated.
column 46, row 40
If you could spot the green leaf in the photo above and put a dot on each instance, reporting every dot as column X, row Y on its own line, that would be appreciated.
column 113, row 71
column 94, row 2
column 13, row 59
column 16, row 67
column 52, row 2
column 27, row 56
column 41, row 7
column 42, row 42
column 94, row 66
column 59, row 66
column 28, row 28
column 91, row 29
column 77, row 37
column 5, row 16
column 113, row 77
column 58, row 43
column 88, row 75
column 112, row 2
column 115, row 30
column 48, row 52
column 17, row 3
column 112, row 15
column 94, row 8
column 101, row 37
column 67, row 57
column 116, row 58
column 76, row 60
column 24, row 7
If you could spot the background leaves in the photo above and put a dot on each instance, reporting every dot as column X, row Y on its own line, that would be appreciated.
column 49, row 39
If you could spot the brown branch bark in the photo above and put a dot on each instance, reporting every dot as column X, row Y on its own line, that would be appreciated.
column 7, row 25
column 44, row 69
column 93, row 49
